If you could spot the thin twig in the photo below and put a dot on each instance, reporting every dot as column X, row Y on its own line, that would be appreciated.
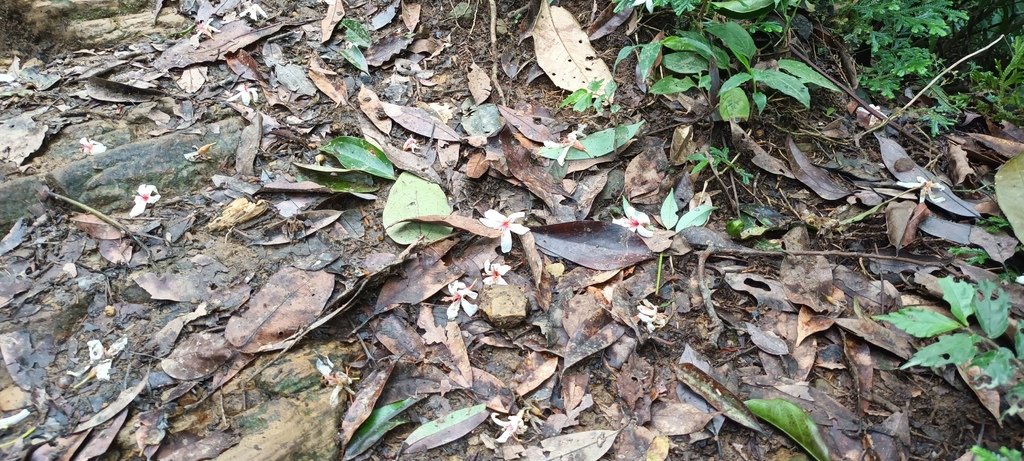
column 494, row 52
column 102, row 217
column 841, row 254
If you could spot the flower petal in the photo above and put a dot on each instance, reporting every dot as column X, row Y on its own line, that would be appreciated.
column 336, row 396
column 453, row 311
column 139, row 208
column 506, row 241
column 623, row 222
column 519, row 229
column 644, row 231
column 469, row 307
column 494, row 215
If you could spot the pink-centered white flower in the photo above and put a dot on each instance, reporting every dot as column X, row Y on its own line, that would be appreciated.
column 253, row 11
column 246, row 94
column 928, row 189
column 634, row 220
column 337, row 378
column 460, row 295
column 649, row 4
column 92, row 147
column 505, row 224
column 145, row 196
column 516, row 424
column 571, row 141
column 493, row 273
column 411, row 145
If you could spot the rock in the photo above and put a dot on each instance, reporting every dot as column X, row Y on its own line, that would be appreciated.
column 505, row 305
column 19, row 194
column 108, row 181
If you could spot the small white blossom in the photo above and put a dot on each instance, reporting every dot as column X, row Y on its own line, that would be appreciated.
column 516, row 424
column 506, row 224
column 571, row 141
column 460, row 295
column 649, row 315
column 254, row 11
column 145, row 195
column 493, row 273
column 634, row 220
column 649, row 4
column 337, row 378
column 102, row 360
column 1020, row 280
column 92, row 147
column 411, row 145
column 246, row 94
column 927, row 189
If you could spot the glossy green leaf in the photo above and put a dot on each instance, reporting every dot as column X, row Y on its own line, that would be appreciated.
column 736, row 38
column 670, row 210
column 806, row 74
column 1010, row 193
column 623, row 54
column 952, row 349
column 760, row 100
column 960, row 296
column 733, row 105
column 379, row 423
column 648, row 55
column 794, row 422
column 354, row 56
column 695, row 218
column 411, row 197
column 670, row 85
column 996, row 365
column 734, row 82
column 744, row 6
column 356, row 34
column 993, row 309
column 337, row 179
column 920, row 323
column 447, row 428
column 596, row 144
column 685, row 62
column 692, row 41
column 784, row 83
column 358, row 154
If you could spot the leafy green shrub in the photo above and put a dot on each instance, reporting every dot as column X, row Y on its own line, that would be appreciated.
column 958, row 342
column 1000, row 93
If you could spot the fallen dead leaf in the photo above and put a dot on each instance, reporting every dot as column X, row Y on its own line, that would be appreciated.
column 563, row 50
column 479, row 83
column 291, row 300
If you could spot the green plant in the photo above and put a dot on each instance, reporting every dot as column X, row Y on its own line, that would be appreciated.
column 972, row 256
column 678, row 6
column 1000, row 93
column 356, row 38
column 994, row 224
column 718, row 158
column 597, row 95
column 1004, row 454
column 960, row 343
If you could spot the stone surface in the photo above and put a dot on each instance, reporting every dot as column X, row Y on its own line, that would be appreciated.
column 505, row 305
column 18, row 195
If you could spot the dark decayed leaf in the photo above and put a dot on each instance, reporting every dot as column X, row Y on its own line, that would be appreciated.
column 533, row 371
column 905, row 169
column 357, row 154
column 99, row 444
column 447, row 428
column 717, row 395
column 875, row 333
column 420, row 122
column 608, row 21
column 792, row 420
column 814, row 176
column 383, row 50
column 579, row 446
column 290, row 301
column 95, row 227
column 186, row 446
column 123, row 400
column 379, row 423
column 172, row 287
column 198, row 356
column 362, row 404
column 110, row 91
column 595, row 244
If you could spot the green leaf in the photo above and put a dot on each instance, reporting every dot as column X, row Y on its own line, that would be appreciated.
column 996, row 365
column 445, row 429
column 685, row 62
column 920, row 323
column 670, row 210
column 794, row 422
column 993, row 314
column 735, row 38
column 806, row 74
column 733, row 105
column 692, row 41
column 380, row 421
column 670, row 85
column 574, row 97
column 734, row 82
column 960, row 296
column 1018, row 341
column 338, row 179
column 623, row 54
column 695, row 218
column 744, row 6
column 354, row 56
column 953, row 349
column 784, row 83
column 411, row 197
column 596, row 144
column 358, row 154
column 759, row 100
column 1010, row 193
column 356, row 34
column 645, row 62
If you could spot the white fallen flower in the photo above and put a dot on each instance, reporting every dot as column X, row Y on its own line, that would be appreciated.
column 649, row 4
column 516, row 424
column 337, row 378
column 928, row 189
column 145, row 195
column 253, row 10
column 92, row 147
column 506, row 224
column 634, row 220
column 571, row 141
column 649, row 315
column 460, row 295
column 245, row 94
column 493, row 273
column 102, row 360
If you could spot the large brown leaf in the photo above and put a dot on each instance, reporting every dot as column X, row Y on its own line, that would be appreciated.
column 563, row 50
column 814, row 176
column 232, row 37
column 595, row 244
column 290, row 301
column 420, row 122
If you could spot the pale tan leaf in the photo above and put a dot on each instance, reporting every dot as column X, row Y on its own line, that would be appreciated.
column 564, row 51
column 335, row 12
column 411, row 15
column 192, row 79
column 479, row 84
column 333, row 87
column 369, row 103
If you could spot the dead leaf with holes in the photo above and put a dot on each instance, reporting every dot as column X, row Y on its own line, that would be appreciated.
column 563, row 50
column 192, row 79
column 479, row 83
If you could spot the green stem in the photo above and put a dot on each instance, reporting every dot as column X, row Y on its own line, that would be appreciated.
column 657, row 280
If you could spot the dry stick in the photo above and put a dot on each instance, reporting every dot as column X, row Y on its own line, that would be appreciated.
column 903, row 130
column 494, row 51
column 843, row 254
column 930, row 84
column 709, row 305
column 102, row 217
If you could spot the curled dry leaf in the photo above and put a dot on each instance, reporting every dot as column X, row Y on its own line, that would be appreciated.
column 420, row 122
column 198, row 356
column 471, row 225
column 479, row 83
column 815, row 177
column 595, row 244
column 363, row 402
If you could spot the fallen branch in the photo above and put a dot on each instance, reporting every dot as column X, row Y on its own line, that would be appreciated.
column 101, row 216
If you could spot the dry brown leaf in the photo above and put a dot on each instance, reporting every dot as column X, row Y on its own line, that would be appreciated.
column 192, row 79
column 563, row 50
column 290, row 301
column 808, row 324
column 411, row 15
column 462, row 370
column 471, row 225
column 333, row 87
column 420, row 122
column 479, row 83
column 335, row 12
column 1005, row 147
column 959, row 167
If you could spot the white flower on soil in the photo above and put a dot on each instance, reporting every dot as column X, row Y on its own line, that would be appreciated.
column 635, row 220
column 506, row 224
column 459, row 296
column 144, row 196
